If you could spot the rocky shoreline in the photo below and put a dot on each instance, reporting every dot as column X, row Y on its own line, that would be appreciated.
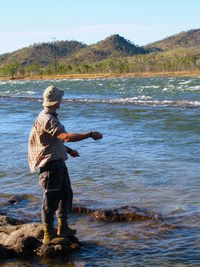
column 121, row 214
column 19, row 239
column 22, row 238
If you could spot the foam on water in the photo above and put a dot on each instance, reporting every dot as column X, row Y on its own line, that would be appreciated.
column 185, row 82
column 141, row 100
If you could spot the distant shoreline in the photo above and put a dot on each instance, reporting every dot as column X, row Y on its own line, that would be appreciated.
column 106, row 75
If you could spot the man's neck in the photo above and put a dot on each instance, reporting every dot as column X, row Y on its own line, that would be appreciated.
column 50, row 109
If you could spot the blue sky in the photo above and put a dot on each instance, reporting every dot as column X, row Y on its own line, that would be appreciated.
column 24, row 22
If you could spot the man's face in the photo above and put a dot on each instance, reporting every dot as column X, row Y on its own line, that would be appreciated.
column 57, row 105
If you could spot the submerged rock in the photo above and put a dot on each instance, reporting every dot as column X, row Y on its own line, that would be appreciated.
column 122, row 214
column 22, row 238
column 25, row 239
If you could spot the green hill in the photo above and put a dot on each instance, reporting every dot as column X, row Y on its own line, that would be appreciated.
column 42, row 53
column 72, row 52
column 178, row 59
column 113, row 46
column 116, row 45
column 115, row 54
column 184, row 39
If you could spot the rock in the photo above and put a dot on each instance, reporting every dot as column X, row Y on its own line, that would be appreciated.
column 63, row 248
column 7, row 220
column 22, row 238
column 122, row 214
column 53, row 250
column 13, row 200
column 6, row 253
column 25, row 239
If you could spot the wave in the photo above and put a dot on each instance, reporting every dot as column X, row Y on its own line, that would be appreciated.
column 142, row 100
column 185, row 82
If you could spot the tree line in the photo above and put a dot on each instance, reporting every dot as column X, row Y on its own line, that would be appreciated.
column 170, row 61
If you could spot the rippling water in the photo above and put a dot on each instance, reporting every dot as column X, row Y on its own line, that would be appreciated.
column 149, row 158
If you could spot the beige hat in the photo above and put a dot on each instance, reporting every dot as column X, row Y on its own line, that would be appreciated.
column 52, row 95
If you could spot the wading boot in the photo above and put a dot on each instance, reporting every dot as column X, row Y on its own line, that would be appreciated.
column 64, row 230
column 50, row 236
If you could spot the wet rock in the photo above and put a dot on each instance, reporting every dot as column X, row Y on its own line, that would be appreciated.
column 13, row 200
column 8, row 220
column 122, row 214
column 63, row 248
column 19, row 239
column 6, row 253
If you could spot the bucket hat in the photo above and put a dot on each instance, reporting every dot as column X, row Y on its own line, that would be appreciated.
column 52, row 95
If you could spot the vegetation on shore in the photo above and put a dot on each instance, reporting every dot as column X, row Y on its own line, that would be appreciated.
column 104, row 75
column 114, row 56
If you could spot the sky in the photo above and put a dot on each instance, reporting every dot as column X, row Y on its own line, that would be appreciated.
column 25, row 22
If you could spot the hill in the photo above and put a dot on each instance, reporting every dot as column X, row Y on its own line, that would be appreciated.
column 116, row 45
column 113, row 46
column 115, row 54
column 42, row 53
column 183, row 39
column 73, row 52
column 173, row 60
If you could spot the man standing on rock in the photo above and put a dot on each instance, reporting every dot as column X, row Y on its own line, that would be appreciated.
column 47, row 152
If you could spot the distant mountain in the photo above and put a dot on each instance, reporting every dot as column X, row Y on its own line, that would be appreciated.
column 183, row 39
column 113, row 46
column 42, row 53
column 116, row 44
column 73, row 52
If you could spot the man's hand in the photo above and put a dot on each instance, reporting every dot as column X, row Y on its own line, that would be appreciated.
column 74, row 154
column 96, row 135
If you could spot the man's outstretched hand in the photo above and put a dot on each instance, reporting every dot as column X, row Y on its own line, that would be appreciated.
column 96, row 135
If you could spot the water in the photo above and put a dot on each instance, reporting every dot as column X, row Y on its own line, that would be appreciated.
column 149, row 158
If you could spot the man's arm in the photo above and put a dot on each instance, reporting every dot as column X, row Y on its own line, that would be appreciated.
column 73, row 153
column 75, row 137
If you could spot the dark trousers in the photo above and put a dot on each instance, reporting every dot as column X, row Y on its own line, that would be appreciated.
column 58, row 195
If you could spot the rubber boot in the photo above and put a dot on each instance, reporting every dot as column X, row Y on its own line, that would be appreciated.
column 50, row 236
column 63, row 229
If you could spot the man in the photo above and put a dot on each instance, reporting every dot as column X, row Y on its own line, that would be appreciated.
column 47, row 152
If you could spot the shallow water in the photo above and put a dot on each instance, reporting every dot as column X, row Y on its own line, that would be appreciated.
column 149, row 158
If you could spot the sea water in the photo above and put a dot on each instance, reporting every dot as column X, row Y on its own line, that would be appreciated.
column 149, row 157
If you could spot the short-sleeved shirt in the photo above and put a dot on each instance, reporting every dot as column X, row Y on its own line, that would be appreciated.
column 44, row 146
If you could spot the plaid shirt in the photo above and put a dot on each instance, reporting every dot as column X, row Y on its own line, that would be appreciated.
column 44, row 145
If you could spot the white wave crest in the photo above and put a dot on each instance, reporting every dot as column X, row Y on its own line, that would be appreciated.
column 185, row 82
column 197, row 87
column 136, row 101
column 141, row 100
